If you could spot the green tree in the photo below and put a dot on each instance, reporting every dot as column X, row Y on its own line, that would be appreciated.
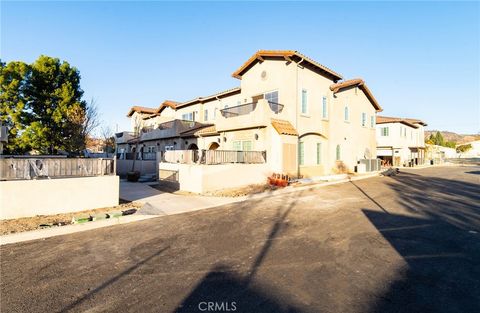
column 439, row 139
column 55, row 110
column 13, row 82
column 464, row 148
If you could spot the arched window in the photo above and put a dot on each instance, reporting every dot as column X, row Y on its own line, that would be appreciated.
column 338, row 153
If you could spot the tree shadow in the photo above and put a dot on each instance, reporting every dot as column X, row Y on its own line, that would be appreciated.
column 224, row 290
column 222, row 286
column 440, row 242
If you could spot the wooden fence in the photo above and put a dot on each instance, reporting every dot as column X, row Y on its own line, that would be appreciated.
column 31, row 168
column 230, row 156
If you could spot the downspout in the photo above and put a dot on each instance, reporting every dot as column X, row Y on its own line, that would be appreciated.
column 296, row 116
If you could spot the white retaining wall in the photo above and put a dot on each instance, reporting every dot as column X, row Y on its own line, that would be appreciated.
column 23, row 198
column 199, row 178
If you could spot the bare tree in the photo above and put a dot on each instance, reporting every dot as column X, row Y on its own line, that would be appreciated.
column 92, row 119
column 108, row 139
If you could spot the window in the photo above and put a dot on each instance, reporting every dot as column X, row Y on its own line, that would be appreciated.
column 319, row 152
column 345, row 113
column 215, row 113
column 338, row 153
column 304, row 101
column 372, row 121
column 401, row 131
column 247, row 145
column 272, row 96
column 364, row 119
column 205, row 115
column 324, row 107
column 187, row 116
column 239, row 145
column 301, row 153
column 384, row 131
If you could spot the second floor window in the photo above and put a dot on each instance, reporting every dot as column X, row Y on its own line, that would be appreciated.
column 364, row 119
column 304, row 101
column 372, row 121
column 205, row 115
column 384, row 131
column 272, row 96
column 324, row 107
column 346, row 113
column 188, row 116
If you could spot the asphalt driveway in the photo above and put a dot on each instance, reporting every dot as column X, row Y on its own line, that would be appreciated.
column 409, row 243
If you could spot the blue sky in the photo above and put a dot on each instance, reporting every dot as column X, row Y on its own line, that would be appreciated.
column 420, row 59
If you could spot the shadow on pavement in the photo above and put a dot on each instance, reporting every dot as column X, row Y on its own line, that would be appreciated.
column 222, row 286
column 225, row 291
column 440, row 244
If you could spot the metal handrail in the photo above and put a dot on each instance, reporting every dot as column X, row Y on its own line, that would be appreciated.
column 275, row 107
column 237, row 110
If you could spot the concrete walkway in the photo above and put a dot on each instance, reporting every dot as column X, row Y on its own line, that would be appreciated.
column 156, row 202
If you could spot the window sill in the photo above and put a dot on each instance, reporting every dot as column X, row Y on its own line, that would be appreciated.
column 305, row 115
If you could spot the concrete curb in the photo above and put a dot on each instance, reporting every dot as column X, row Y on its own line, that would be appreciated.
column 70, row 229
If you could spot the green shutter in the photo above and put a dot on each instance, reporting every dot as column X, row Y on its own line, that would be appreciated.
column 301, row 153
column 319, row 153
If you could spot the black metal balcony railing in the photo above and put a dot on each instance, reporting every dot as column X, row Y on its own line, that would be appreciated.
column 275, row 107
column 245, row 109
column 242, row 109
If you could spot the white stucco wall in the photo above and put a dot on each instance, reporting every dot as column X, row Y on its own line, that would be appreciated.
column 25, row 198
column 204, row 178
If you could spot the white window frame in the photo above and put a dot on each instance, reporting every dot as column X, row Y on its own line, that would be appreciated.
column 304, row 91
column 324, row 107
column 364, row 119
column 385, row 131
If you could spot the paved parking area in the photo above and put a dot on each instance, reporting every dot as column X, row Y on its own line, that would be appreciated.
column 409, row 243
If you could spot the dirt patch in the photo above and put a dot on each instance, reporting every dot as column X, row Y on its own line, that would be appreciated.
column 244, row 191
column 31, row 223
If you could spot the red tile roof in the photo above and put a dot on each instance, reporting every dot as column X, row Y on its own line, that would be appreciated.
column 140, row 110
column 360, row 83
column 289, row 56
column 284, row 127
column 406, row 121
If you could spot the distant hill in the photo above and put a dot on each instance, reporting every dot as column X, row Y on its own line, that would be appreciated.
column 451, row 136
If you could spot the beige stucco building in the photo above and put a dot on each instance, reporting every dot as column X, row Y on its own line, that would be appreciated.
column 307, row 119
column 401, row 141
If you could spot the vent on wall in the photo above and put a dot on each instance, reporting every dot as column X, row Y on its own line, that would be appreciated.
column 264, row 75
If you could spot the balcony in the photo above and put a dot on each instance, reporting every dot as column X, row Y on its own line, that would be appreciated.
column 247, row 115
column 124, row 137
